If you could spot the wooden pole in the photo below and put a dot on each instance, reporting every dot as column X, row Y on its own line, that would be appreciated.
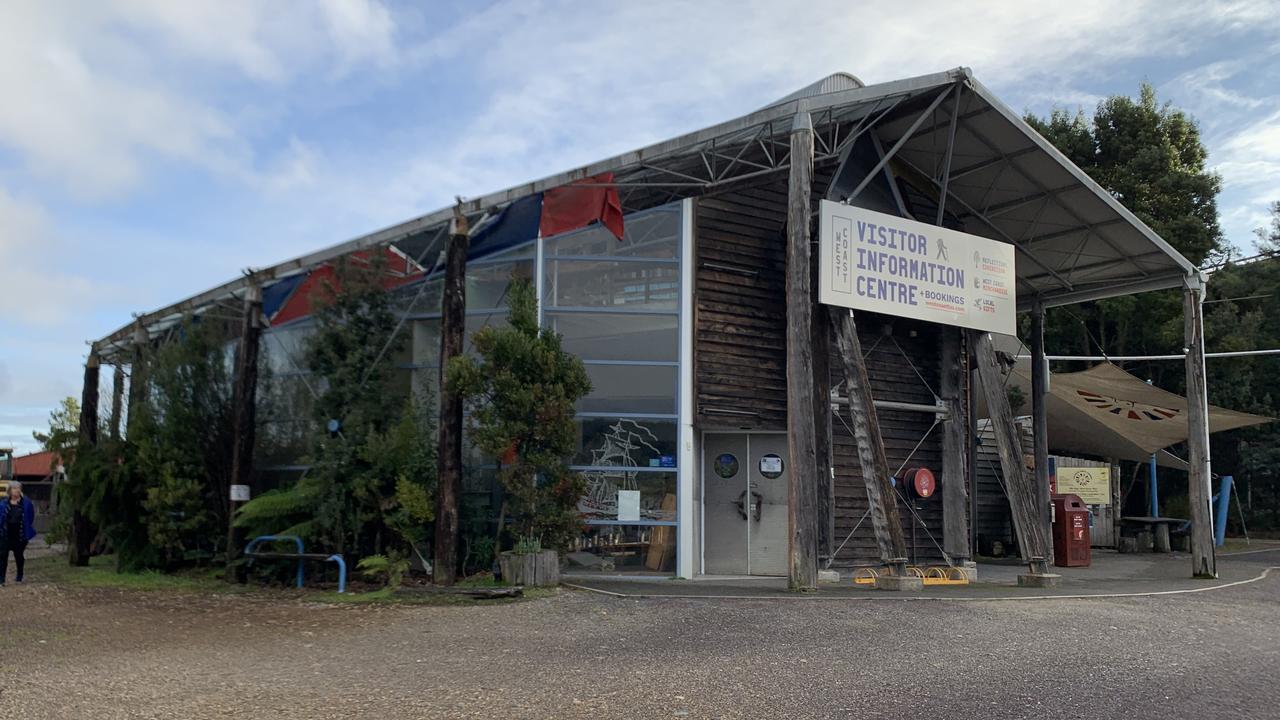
column 1030, row 516
column 117, row 401
column 820, row 332
column 1039, row 412
column 803, row 520
column 82, row 530
column 955, row 448
column 449, row 458
column 886, row 524
column 138, row 377
column 1204, row 562
column 244, row 418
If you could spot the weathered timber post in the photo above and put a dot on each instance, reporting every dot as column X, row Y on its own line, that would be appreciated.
column 138, row 377
column 117, row 400
column 1204, row 561
column 449, row 457
column 801, row 434
column 82, row 531
column 1039, row 413
column 244, row 419
column 1030, row 517
column 885, row 521
column 820, row 332
column 955, row 448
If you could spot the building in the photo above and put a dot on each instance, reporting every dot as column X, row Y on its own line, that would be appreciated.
column 687, row 330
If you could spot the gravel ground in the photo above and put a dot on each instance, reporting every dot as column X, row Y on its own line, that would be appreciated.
column 80, row 653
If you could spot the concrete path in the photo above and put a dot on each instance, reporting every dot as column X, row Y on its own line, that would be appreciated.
column 1110, row 573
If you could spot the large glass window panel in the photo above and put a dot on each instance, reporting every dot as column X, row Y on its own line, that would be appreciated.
column 285, row 349
column 631, row 389
column 625, row 442
column 487, row 283
column 593, row 336
column 611, row 284
column 652, row 233
column 635, row 549
column 426, row 336
column 606, row 489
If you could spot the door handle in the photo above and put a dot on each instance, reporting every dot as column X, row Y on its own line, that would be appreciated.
column 757, row 504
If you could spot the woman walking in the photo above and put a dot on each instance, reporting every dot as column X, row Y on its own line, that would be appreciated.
column 17, row 527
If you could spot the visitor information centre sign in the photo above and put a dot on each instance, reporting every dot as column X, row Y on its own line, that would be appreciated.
column 887, row 264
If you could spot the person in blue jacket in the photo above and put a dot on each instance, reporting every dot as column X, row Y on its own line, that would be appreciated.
column 17, row 527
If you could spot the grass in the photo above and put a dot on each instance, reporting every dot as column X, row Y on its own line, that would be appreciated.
column 101, row 573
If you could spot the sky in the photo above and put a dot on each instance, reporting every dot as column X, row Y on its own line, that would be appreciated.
column 152, row 149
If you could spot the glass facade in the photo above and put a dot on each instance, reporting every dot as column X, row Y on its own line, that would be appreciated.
column 616, row 304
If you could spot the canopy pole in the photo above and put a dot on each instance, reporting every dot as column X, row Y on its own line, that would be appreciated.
column 802, row 481
column 80, row 544
column 244, row 419
column 1039, row 411
column 1203, row 559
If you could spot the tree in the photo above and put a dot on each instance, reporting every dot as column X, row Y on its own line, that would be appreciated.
column 522, row 390
column 1151, row 158
column 369, row 481
column 64, row 430
column 1245, row 315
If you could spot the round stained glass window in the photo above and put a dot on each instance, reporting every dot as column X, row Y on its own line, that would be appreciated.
column 726, row 465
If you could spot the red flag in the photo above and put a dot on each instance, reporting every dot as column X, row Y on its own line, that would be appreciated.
column 314, row 292
column 579, row 204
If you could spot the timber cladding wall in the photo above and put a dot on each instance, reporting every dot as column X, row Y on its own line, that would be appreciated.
column 740, row 339
column 892, row 378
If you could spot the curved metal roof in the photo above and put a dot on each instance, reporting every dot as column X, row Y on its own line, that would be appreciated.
column 1075, row 241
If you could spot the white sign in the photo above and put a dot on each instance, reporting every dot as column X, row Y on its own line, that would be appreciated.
column 240, row 493
column 628, row 505
column 891, row 265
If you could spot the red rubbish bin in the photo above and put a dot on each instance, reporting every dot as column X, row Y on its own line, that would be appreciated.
column 1070, row 531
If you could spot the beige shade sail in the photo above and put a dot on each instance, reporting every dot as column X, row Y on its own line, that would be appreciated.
column 1106, row 412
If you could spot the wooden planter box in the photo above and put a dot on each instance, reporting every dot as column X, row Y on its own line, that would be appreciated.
column 541, row 569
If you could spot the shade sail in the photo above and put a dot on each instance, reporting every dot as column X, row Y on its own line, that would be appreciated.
column 1106, row 412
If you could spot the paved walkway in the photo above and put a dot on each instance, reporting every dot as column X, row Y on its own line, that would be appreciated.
column 1109, row 574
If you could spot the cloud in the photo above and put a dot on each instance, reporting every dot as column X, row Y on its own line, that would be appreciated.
column 96, row 92
column 562, row 86
column 37, row 292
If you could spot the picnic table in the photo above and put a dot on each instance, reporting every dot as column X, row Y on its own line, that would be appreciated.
column 1158, row 526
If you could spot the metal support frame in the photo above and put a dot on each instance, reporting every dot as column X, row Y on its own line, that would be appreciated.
column 884, row 160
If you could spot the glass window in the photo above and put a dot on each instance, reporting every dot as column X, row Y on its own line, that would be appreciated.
column 609, row 284
column 653, row 496
column 652, row 233
column 593, row 336
column 487, row 283
column 426, row 336
column 624, row 549
column 285, row 349
column 625, row 442
column 631, row 389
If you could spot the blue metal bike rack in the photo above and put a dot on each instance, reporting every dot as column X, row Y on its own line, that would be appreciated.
column 302, row 557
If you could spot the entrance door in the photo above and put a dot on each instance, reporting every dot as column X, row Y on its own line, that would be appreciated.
column 744, row 480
